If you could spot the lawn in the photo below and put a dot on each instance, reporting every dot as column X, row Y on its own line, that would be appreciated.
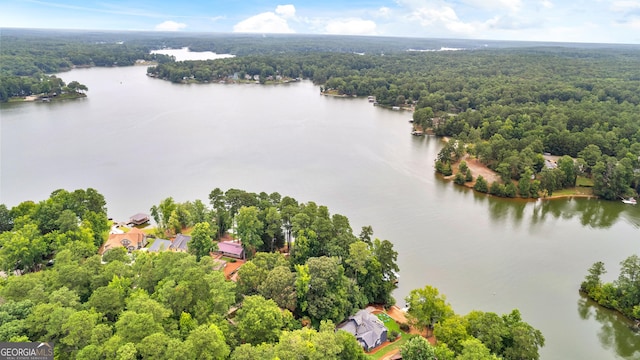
column 389, row 322
column 394, row 345
column 391, row 326
column 583, row 181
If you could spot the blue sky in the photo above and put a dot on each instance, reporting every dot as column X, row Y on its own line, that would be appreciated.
column 602, row 21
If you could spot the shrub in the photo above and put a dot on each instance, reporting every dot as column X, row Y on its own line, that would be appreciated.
column 463, row 166
column 393, row 335
column 459, row 179
column 468, row 177
column 481, row 185
column 496, row 189
column 404, row 327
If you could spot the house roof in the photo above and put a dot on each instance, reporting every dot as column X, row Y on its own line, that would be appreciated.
column 230, row 247
column 133, row 238
column 180, row 242
column 139, row 217
column 366, row 327
column 160, row 245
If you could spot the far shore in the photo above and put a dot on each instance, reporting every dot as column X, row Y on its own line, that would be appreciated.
column 477, row 168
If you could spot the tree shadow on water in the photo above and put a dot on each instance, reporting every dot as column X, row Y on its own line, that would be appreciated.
column 616, row 331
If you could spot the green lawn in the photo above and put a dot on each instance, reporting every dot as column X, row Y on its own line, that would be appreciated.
column 391, row 326
column 583, row 181
column 389, row 322
column 404, row 337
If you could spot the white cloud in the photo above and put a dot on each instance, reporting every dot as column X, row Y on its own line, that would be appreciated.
column 510, row 5
column 625, row 5
column 547, row 4
column 352, row 26
column 268, row 22
column 384, row 12
column 170, row 26
column 443, row 16
column 286, row 11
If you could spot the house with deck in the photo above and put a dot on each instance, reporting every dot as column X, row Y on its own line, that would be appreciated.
column 231, row 249
column 367, row 328
column 139, row 219
column 133, row 240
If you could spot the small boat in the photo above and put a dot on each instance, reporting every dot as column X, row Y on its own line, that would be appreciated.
column 417, row 133
column 630, row 201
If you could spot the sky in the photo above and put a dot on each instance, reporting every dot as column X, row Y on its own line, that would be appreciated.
column 590, row 21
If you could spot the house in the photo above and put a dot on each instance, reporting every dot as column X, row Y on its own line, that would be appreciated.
column 139, row 219
column 231, row 249
column 180, row 243
column 367, row 328
column 160, row 245
column 133, row 240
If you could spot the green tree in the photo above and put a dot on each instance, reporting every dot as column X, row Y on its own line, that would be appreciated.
column 280, row 285
column 452, row 331
column 208, row 343
column 489, row 328
column 418, row 348
column 523, row 341
column 592, row 280
column 6, row 219
column 327, row 296
column 473, row 349
column 77, row 329
column 259, row 320
column 249, row 228
column 481, row 185
column 427, row 307
column 201, row 244
column 134, row 327
column 22, row 249
column 359, row 255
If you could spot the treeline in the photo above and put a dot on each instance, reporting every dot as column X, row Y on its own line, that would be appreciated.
column 508, row 106
column 622, row 294
column 44, row 85
column 477, row 335
column 363, row 269
column 174, row 305
column 26, row 56
column 32, row 233
column 170, row 305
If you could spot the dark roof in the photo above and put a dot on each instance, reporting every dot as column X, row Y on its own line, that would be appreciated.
column 367, row 328
column 180, row 242
column 160, row 245
column 139, row 217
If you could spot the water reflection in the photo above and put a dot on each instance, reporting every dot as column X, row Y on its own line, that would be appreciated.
column 614, row 332
column 593, row 213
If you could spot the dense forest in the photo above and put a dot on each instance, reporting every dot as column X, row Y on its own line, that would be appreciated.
column 176, row 305
column 507, row 107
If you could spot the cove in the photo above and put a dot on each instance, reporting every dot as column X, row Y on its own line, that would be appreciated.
column 138, row 140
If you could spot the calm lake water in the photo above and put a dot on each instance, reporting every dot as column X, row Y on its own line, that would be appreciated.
column 138, row 140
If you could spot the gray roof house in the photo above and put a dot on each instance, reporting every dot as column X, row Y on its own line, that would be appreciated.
column 160, row 245
column 180, row 243
column 367, row 328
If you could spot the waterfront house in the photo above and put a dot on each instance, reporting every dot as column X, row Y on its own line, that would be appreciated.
column 180, row 243
column 160, row 245
column 367, row 328
column 139, row 219
column 133, row 240
column 231, row 249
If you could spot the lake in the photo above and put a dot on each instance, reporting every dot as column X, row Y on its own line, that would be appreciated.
column 138, row 140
